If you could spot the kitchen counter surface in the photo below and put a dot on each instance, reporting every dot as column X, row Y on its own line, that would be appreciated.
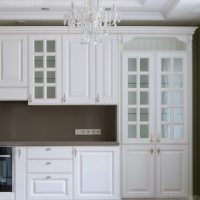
column 57, row 143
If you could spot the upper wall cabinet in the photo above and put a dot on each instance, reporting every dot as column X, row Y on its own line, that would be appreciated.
column 90, row 73
column 45, row 69
column 78, row 71
column 13, row 67
column 107, row 71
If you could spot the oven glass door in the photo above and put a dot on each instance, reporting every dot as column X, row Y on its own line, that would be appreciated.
column 5, row 169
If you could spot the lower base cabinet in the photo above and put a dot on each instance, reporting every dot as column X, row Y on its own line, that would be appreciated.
column 155, row 171
column 67, row 173
column 96, row 173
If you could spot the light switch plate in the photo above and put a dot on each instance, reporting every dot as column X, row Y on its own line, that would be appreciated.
column 87, row 131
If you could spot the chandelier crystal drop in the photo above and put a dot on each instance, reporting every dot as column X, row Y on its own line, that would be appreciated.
column 92, row 20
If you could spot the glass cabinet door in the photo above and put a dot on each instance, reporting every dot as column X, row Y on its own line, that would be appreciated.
column 171, row 104
column 139, row 98
column 45, row 70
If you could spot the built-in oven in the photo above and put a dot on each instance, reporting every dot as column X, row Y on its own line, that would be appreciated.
column 6, row 169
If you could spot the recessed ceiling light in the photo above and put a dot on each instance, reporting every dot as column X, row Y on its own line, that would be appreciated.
column 21, row 22
column 45, row 8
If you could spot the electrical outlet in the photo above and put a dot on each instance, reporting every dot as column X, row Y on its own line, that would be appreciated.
column 87, row 131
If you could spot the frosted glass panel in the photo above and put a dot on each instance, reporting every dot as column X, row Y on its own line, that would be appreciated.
column 38, row 46
column 178, row 115
column 144, row 64
column 165, row 131
column 39, row 93
column 132, row 81
column 178, row 98
column 51, row 46
column 144, row 81
column 144, row 114
column 51, row 77
column 165, row 114
column 39, row 61
column 132, row 131
column 132, row 114
column 165, row 81
column 51, row 92
column 165, row 64
column 178, row 131
column 178, row 65
column 39, row 78
column 178, row 81
column 165, row 98
column 132, row 98
column 144, row 98
column 144, row 131
column 132, row 64
column 51, row 61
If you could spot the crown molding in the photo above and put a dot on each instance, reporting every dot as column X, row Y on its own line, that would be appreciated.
column 160, row 30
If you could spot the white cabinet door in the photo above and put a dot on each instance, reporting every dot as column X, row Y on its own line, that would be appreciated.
column 45, row 69
column 13, row 67
column 138, row 171
column 172, row 99
column 49, row 186
column 171, row 171
column 96, row 173
column 107, row 56
column 20, row 173
column 138, row 97
column 78, row 71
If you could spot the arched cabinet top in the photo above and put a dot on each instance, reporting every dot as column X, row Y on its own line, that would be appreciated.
column 155, row 44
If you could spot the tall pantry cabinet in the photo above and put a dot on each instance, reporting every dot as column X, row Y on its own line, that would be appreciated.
column 156, row 109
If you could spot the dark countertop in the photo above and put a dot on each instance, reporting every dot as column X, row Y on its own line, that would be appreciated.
column 56, row 143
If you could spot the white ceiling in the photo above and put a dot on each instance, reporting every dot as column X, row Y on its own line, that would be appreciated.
column 184, row 12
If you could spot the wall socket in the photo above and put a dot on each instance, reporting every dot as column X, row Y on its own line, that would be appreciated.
column 87, row 131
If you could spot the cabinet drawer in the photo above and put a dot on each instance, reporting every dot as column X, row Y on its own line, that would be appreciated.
column 50, row 186
column 49, row 166
column 49, row 152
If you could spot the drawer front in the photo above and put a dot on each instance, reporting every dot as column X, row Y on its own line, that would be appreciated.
column 50, row 166
column 49, row 152
column 49, row 187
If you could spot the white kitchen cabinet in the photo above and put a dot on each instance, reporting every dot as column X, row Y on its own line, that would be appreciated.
column 138, row 171
column 96, row 173
column 171, row 165
column 44, row 69
column 78, row 71
column 107, row 59
column 155, row 101
column 13, row 67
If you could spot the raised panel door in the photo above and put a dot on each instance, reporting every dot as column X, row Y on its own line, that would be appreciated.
column 107, row 56
column 138, row 171
column 78, row 72
column 171, row 171
column 96, row 173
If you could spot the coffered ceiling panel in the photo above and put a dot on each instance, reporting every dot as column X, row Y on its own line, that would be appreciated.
column 185, row 11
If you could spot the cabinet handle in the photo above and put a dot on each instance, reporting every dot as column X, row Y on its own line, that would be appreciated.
column 48, row 163
column 75, row 152
column 158, row 138
column 64, row 98
column 48, row 149
column 151, row 151
column 98, row 98
column 158, row 151
column 29, row 98
column 152, row 138
column 19, row 153
column 48, row 177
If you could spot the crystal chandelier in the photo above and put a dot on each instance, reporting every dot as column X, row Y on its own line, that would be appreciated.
column 92, row 20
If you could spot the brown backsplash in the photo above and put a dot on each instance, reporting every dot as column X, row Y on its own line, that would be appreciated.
column 20, row 122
